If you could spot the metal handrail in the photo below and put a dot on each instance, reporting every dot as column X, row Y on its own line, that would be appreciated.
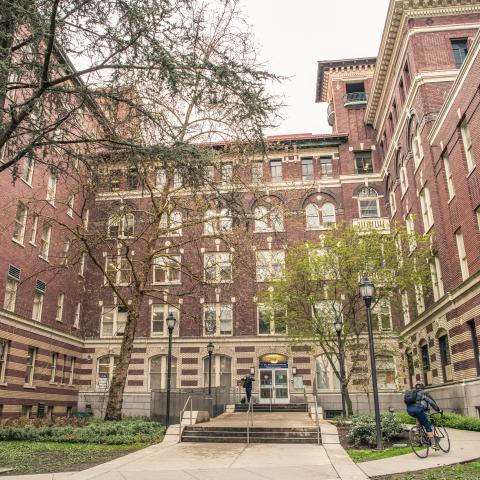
column 317, row 420
column 249, row 418
column 189, row 399
column 305, row 396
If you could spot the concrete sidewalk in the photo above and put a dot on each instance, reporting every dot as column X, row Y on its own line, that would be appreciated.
column 465, row 446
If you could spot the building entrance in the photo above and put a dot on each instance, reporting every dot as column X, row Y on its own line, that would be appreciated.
column 273, row 373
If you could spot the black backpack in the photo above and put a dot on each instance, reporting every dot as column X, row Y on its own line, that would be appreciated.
column 410, row 397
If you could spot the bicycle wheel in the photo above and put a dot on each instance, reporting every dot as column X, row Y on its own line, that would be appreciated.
column 441, row 435
column 419, row 442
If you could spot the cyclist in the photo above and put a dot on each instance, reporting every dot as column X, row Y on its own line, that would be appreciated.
column 418, row 404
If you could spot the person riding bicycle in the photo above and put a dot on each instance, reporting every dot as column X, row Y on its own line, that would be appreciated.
column 418, row 404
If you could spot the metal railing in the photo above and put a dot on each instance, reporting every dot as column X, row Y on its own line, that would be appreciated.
column 355, row 98
column 305, row 397
column 249, row 418
column 182, row 413
column 315, row 398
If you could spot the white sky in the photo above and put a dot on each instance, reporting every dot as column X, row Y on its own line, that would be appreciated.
column 294, row 35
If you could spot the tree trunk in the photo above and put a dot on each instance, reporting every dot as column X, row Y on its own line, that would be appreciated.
column 119, row 380
column 348, row 400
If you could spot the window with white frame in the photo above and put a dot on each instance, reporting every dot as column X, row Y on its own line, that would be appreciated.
column 218, row 319
column 210, row 173
column 420, row 299
column 159, row 314
column 382, row 316
column 393, row 203
column 45, row 241
column 467, row 145
column 76, row 317
column 81, row 265
column 158, row 372
column 59, row 312
column 70, row 204
column 161, row 178
column 53, row 371
column 268, row 219
column 217, row 222
column 405, row 308
column 448, row 176
column 52, row 188
column 27, row 169
column 166, row 270
column 271, row 321
column 257, row 172
column 328, row 215
column 307, row 169
column 426, row 206
column 71, row 373
column 113, row 320
column 462, row 254
column 33, row 235
column 66, row 249
column 218, row 267
column 171, row 225
column 386, row 372
column 312, row 217
column 325, row 377
column 417, row 149
column 38, row 298
column 269, row 264
column 4, row 344
column 437, row 278
column 105, row 368
column 227, row 172
column 276, row 170
column 477, row 211
column 221, row 371
column 20, row 223
column 13, row 279
column 403, row 179
column 30, row 365
column 177, row 179
column 121, row 226
column 368, row 202
column 326, row 167
column 86, row 217
column 118, row 270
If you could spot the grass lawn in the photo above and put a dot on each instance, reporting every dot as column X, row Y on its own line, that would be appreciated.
column 466, row 471
column 49, row 457
column 370, row 454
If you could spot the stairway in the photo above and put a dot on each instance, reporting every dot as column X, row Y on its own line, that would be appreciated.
column 257, row 435
column 262, row 407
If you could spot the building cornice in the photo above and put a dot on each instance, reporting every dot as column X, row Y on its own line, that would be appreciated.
column 399, row 12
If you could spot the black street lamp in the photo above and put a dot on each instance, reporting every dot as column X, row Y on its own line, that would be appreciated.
column 338, row 325
column 210, row 348
column 171, row 321
column 367, row 291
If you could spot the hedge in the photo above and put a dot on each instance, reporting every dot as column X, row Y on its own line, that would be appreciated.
column 450, row 420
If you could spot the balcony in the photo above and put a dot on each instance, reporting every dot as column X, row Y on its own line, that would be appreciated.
column 377, row 223
column 355, row 99
column 330, row 114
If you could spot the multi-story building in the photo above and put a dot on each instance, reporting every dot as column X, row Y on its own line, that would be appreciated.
column 403, row 149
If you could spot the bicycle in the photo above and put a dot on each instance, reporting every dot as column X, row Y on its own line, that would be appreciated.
column 419, row 441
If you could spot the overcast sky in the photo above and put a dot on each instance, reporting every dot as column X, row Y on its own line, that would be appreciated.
column 294, row 35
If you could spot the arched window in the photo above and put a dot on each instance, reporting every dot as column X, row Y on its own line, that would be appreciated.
column 445, row 358
column 217, row 222
column 221, row 371
column 325, row 377
column 417, row 150
column 403, row 179
column 425, row 362
column 171, row 225
column 328, row 215
column 105, row 367
column 268, row 219
column 312, row 217
column 368, row 202
column 386, row 372
column 121, row 226
column 158, row 373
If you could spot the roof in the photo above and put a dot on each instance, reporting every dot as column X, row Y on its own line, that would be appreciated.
column 326, row 65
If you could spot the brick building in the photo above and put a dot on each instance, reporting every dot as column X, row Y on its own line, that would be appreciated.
column 403, row 149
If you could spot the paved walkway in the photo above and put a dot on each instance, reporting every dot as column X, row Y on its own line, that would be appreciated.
column 465, row 446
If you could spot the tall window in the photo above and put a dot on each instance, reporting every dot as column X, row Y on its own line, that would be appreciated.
column 161, row 178
column 118, row 270
column 462, row 254
column 425, row 362
column 218, row 318
column 257, row 172
column 268, row 219
column 115, row 176
column 45, row 241
column 445, row 358
column 27, row 170
column 52, row 188
column 70, row 203
column 312, row 217
column 166, row 270
column 33, row 235
column 158, row 373
column 325, row 377
column 270, row 264
column 121, row 226
column 437, row 278
column 66, row 249
column 171, row 225
column 403, row 179
column 30, row 365
column 417, row 149
column 307, row 169
column 38, row 298
column 4, row 344
column 448, row 176
column 328, row 215
column 59, row 313
column 221, row 371
column 132, row 179
column 227, row 172
column 363, row 162
column 326, row 167
column 393, row 203
column 177, row 179
column 105, row 367
column 76, row 318
column 53, row 371
column 382, row 316
column 460, row 51
column 276, row 170
column 368, row 202
column 20, row 222
column 217, row 222
column 218, row 267
column 13, row 279
column 474, row 336
column 271, row 321
column 467, row 145
column 405, row 308
column 81, row 264
column 160, row 313
column 386, row 372
column 426, row 206
column 114, row 319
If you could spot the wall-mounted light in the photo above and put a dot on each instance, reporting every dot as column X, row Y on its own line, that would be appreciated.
column 252, row 370
column 294, row 370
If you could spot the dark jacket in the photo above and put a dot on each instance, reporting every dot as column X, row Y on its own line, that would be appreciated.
column 425, row 400
column 247, row 384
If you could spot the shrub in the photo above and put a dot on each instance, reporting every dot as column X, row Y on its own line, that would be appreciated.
column 363, row 429
column 450, row 420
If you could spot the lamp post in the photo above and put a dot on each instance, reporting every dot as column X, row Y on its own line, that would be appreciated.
column 338, row 325
column 367, row 290
column 171, row 321
column 210, row 348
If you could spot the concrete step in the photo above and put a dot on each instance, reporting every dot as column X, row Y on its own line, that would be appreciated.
column 202, row 439
column 292, row 407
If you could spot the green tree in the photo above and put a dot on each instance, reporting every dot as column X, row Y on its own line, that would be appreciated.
column 321, row 284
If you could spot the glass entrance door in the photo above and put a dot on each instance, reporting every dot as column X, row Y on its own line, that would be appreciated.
column 274, row 385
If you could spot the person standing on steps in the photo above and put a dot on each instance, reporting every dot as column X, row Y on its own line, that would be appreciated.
column 248, row 385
